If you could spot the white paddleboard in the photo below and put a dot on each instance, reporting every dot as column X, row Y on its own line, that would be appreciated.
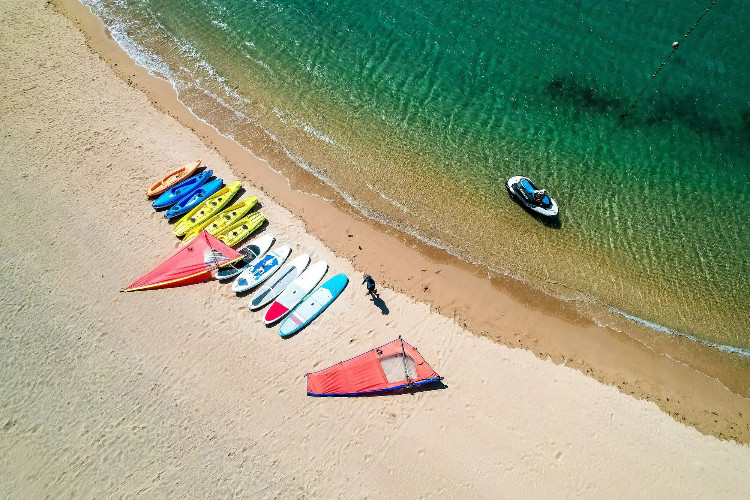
column 295, row 292
column 281, row 279
column 261, row 270
column 252, row 252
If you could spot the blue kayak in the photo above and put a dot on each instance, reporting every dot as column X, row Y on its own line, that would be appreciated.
column 190, row 202
column 182, row 190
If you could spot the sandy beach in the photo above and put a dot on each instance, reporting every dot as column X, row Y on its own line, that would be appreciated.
column 183, row 392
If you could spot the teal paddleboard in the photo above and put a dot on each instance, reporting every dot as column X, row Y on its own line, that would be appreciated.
column 313, row 305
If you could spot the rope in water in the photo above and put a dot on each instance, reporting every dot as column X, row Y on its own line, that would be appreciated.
column 675, row 46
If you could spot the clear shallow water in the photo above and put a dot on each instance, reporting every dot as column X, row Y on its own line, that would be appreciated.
column 419, row 111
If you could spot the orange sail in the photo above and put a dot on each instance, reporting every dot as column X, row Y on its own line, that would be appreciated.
column 395, row 365
column 191, row 264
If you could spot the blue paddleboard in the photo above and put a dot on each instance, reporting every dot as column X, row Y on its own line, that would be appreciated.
column 262, row 269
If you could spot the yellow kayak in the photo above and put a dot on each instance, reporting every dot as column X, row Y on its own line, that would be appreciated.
column 203, row 212
column 223, row 219
column 242, row 229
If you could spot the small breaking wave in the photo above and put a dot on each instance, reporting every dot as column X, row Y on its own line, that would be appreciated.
column 663, row 329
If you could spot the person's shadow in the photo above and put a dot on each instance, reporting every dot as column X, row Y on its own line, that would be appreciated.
column 381, row 305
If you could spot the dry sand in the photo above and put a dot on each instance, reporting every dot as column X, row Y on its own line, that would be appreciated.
column 184, row 393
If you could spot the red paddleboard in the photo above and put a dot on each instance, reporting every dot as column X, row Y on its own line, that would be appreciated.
column 295, row 292
column 275, row 313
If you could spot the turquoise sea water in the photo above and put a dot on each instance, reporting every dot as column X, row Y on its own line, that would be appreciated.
column 417, row 112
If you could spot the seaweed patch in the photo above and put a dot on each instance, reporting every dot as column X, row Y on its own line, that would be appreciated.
column 581, row 95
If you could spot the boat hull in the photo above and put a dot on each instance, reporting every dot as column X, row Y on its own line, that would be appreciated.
column 550, row 212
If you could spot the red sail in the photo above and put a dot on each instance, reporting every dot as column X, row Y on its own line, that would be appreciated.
column 191, row 264
column 396, row 365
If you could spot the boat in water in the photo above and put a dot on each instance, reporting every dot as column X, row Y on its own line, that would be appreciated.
column 536, row 200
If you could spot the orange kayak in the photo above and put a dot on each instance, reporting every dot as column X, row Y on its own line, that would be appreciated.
column 173, row 178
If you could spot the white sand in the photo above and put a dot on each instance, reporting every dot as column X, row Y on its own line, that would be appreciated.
column 184, row 393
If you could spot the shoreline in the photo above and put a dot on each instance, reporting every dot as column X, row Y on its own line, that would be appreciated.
column 693, row 383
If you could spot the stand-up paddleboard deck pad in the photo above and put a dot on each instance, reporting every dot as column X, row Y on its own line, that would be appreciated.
column 313, row 305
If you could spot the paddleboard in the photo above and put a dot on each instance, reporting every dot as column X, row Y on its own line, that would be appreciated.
column 280, row 280
column 223, row 219
column 261, row 270
column 210, row 206
column 182, row 190
column 295, row 292
column 233, row 235
column 172, row 178
column 252, row 252
column 313, row 305
column 189, row 202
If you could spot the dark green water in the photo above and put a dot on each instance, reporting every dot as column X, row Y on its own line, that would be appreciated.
column 419, row 111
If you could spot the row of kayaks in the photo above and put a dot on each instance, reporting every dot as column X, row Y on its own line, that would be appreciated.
column 201, row 203
column 291, row 288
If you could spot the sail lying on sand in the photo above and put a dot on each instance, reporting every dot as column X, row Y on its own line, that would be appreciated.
column 395, row 365
column 191, row 264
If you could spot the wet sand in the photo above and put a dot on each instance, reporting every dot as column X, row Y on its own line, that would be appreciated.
column 183, row 392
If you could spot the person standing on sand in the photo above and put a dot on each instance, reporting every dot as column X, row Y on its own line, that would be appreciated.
column 370, row 283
